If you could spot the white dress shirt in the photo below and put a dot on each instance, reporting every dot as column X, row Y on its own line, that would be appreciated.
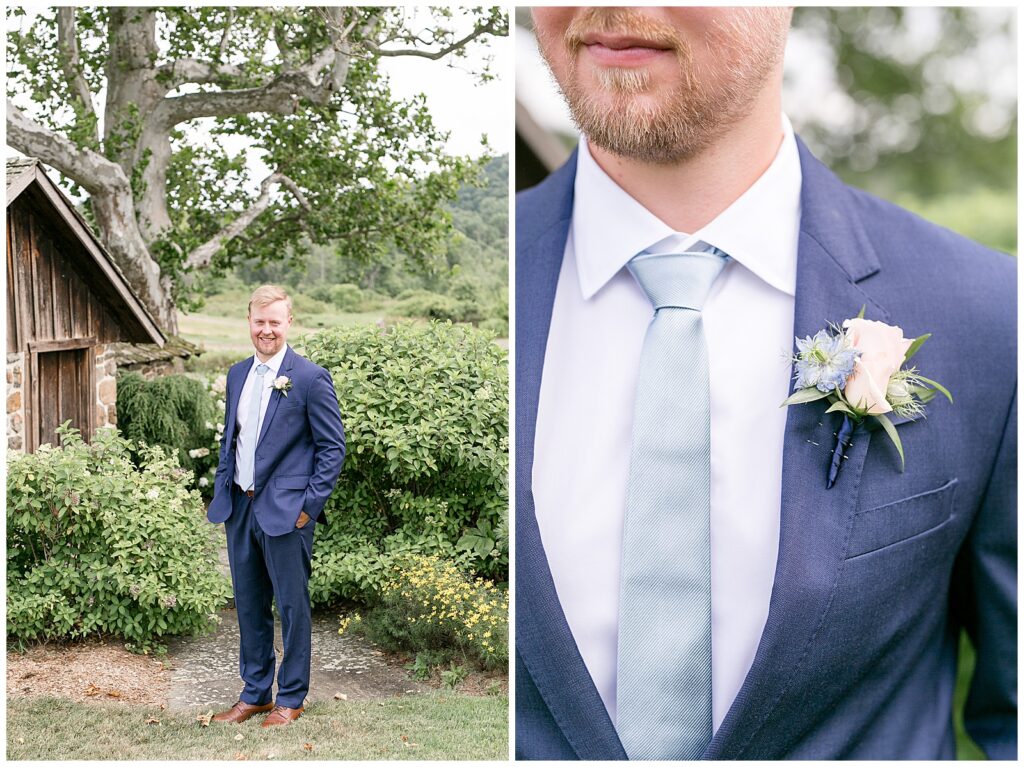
column 246, row 434
column 585, row 412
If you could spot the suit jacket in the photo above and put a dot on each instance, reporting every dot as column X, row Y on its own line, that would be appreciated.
column 875, row 577
column 299, row 453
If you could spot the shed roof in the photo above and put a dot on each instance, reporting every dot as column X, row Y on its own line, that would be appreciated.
column 134, row 354
column 25, row 174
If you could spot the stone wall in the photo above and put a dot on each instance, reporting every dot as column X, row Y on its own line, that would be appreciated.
column 15, row 402
column 106, row 387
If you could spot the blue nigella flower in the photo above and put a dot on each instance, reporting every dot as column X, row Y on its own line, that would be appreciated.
column 825, row 361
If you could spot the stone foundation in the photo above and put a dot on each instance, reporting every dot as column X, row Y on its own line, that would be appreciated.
column 106, row 388
column 15, row 402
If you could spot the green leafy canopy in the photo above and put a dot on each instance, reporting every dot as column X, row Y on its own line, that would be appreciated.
column 371, row 172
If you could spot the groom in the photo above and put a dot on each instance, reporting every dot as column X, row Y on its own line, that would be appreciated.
column 686, row 584
column 281, row 453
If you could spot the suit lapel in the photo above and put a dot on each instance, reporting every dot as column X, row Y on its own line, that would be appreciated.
column 543, row 639
column 276, row 395
column 834, row 255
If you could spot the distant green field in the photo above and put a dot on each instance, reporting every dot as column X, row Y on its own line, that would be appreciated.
column 220, row 326
column 231, row 334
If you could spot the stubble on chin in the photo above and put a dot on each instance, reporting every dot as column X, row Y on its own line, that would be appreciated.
column 625, row 112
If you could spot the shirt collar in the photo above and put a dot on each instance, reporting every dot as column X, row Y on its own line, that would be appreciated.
column 274, row 363
column 760, row 229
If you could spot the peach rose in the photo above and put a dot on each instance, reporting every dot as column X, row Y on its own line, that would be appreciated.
column 882, row 349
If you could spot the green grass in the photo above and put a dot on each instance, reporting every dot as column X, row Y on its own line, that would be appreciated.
column 230, row 335
column 436, row 725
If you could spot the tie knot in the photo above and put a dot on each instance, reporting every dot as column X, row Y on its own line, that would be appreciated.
column 261, row 370
column 679, row 280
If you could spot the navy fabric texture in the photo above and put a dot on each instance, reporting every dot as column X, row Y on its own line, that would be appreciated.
column 299, row 455
column 268, row 568
column 876, row 576
column 300, row 451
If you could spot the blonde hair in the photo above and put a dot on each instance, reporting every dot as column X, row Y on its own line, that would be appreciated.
column 268, row 294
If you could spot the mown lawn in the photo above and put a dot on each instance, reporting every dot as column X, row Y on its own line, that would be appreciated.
column 231, row 334
column 432, row 726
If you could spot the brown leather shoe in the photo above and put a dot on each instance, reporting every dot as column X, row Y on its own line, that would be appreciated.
column 241, row 711
column 282, row 715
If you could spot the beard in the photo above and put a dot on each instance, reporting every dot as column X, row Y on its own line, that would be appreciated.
column 625, row 111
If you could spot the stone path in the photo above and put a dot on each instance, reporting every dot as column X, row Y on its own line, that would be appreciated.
column 205, row 668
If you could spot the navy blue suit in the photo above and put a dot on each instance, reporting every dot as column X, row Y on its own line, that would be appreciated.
column 299, row 454
column 875, row 577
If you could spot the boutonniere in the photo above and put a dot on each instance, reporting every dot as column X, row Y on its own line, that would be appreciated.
column 858, row 368
column 282, row 384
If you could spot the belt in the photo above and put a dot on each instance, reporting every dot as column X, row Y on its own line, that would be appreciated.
column 249, row 493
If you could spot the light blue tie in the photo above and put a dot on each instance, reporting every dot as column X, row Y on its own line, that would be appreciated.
column 664, row 656
column 247, row 469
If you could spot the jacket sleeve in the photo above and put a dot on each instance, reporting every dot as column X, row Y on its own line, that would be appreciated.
column 988, row 605
column 328, row 441
column 220, row 478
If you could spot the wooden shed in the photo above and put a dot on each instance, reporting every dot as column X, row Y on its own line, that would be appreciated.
column 67, row 303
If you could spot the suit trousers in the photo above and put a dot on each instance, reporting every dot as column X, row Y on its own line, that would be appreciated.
column 266, row 568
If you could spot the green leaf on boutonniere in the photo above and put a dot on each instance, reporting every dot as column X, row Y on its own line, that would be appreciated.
column 841, row 407
column 937, row 385
column 918, row 343
column 923, row 393
column 809, row 394
column 890, row 430
column 860, row 315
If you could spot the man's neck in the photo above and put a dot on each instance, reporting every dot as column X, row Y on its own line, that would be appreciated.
column 267, row 359
column 689, row 194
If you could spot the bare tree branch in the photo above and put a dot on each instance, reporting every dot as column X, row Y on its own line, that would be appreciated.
column 201, row 256
column 71, row 62
column 485, row 29
column 222, row 49
column 112, row 205
column 281, row 95
column 92, row 170
column 263, row 231
column 183, row 71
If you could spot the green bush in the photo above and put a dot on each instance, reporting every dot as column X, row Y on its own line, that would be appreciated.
column 96, row 545
column 436, row 306
column 372, row 300
column 346, row 297
column 303, row 305
column 429, row 607
column 178, row 412
column 426, row 419
column 496, row 326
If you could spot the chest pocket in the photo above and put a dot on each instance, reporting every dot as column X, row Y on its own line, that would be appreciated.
column 893, row 523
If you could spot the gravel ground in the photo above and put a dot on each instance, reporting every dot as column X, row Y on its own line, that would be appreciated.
column 88, row 671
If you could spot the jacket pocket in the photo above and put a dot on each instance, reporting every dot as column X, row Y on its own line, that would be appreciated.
column 899, row 521
column 293, row 482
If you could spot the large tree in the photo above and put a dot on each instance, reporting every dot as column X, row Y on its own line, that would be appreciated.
column 162, row 114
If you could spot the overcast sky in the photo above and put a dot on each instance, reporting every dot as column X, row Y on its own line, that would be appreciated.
column 458, row 102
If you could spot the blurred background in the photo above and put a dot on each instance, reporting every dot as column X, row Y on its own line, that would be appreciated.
column 916, row 105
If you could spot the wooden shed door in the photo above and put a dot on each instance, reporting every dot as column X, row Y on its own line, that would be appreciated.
column 65, row 392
